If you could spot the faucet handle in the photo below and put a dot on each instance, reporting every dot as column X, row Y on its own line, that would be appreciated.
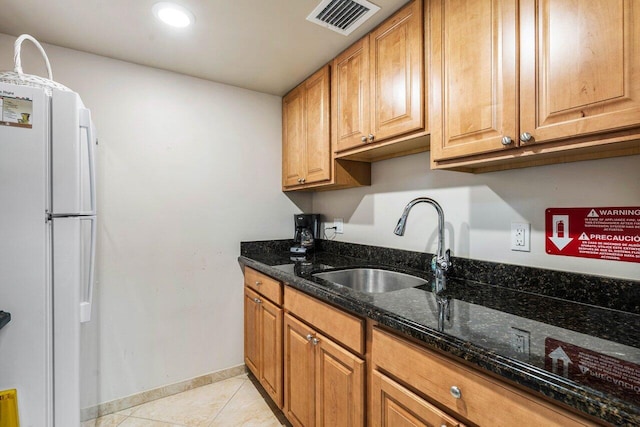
column 441, row 263
column 447, row 260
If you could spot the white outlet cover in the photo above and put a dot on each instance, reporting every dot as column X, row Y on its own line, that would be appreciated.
column 338, row 223
column 521, row 236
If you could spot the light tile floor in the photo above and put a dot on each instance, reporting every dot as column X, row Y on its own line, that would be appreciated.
column 232, row 402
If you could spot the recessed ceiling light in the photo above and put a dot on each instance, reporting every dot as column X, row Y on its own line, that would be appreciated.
column 173, row 14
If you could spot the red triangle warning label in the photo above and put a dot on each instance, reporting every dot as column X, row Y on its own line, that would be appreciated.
column 583, row 236
column 593, row 214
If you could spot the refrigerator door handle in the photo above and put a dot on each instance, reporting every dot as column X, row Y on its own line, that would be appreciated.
column 85, row 122
column 86, row 303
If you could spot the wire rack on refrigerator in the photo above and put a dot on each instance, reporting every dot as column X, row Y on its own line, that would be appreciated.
column 17, row 77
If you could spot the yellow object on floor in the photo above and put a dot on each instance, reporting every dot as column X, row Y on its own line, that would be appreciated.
column 9, row 408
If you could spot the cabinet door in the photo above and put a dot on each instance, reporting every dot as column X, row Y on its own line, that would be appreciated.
column 350, row 95
column 339, row 385
column 394, row 406
column 299, row 368
column 397, row 66
column 293, row 137
column 271, row 350
column 318, row 141
column 251, row 332
column 473, row 76
column 580, row 67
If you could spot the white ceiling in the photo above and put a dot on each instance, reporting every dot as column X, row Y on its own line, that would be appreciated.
column 263, row 45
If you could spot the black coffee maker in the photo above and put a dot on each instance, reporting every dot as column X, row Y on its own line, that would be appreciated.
column 307, row 230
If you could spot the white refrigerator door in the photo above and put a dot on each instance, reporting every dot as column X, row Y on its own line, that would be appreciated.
column 25, row 284
column 74, row 243
column 73, row 170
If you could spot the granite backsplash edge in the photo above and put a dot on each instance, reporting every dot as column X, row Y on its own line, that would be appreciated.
column 607, row 292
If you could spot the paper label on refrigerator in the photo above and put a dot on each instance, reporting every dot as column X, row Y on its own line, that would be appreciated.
column 16, row 112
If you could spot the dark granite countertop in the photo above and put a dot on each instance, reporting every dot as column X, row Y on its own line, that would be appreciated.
column 602, row 379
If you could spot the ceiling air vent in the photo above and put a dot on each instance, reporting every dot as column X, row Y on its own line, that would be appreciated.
column 342, row 16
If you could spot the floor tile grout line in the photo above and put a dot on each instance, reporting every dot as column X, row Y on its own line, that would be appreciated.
column 132, row 415
column 157, row 421
column 228, row 400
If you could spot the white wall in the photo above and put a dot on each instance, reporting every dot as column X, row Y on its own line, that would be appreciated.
column 479, row 208
column 187, row 169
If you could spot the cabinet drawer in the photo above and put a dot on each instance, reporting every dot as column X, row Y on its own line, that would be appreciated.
column 482, row 400
column 393, row 405
column 342, row 327
column 265, row 285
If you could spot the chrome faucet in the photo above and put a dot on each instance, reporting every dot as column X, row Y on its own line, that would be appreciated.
column 441, row 262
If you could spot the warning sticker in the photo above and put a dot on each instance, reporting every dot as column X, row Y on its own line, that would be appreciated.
column 604, row 233
column 16, row 112
column 616, row 376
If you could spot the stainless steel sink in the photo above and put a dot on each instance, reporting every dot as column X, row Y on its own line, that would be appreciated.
column 371, row 280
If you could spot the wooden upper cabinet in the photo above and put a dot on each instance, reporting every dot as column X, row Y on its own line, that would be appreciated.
column 535, row 81
column 397, row 63
column 351, row 95
column 580, row 67
column 293, row 137
column 306, row 144
column 318, row 141
column 473, row 75
column 378, row 83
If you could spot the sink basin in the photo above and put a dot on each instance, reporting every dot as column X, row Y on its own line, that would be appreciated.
column 371, row 280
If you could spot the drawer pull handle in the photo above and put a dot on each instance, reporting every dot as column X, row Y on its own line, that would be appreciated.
column 455, row 392
column 315, row 341
column 258, row 283
column 257, row 300
column 309, row 337
column 363, row 138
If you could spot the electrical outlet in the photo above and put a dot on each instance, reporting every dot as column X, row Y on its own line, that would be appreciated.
column 520, row 341
column 520, row 236
column 338, row 223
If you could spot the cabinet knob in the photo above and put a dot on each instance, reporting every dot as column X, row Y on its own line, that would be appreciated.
column 526, row 137
column 455, row 392
column 371, row 137
column 258, row 283
column 309, row 337
column 315, row 341
column 299, row 180
column 506, row 140
column 257, row 300
column 302, row 180
column 363, row 138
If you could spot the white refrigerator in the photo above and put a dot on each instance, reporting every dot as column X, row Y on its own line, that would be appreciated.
column 47, row 249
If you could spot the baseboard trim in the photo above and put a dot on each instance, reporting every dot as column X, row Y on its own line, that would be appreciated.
column 117, row 405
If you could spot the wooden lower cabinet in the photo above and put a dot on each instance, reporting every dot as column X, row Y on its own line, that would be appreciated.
column 263, row 342
column 299, row 369
column 392, row 405
column 462, row 391
column 324, row 383
column 310, row 358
